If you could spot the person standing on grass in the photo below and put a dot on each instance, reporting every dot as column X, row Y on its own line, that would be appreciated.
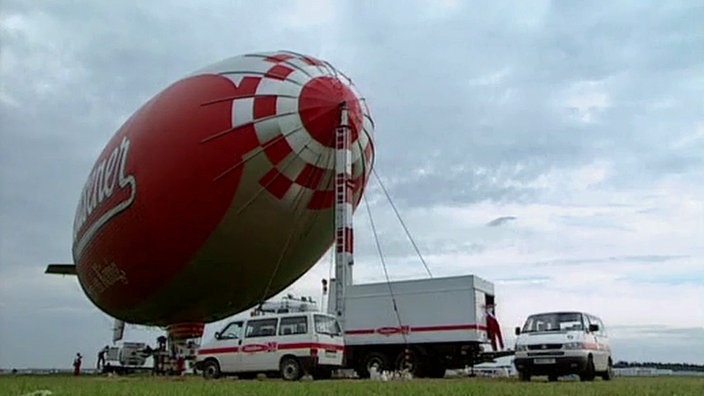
column 77, row 364
column 101, row 357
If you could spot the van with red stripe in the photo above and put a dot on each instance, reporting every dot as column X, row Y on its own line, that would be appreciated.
column 290, row 344
column 562, row 343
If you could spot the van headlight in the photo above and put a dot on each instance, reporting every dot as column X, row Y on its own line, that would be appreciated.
column 521, row 348
column 573, row 345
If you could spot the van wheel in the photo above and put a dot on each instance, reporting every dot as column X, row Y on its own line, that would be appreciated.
column 211, row 369
column 524, row 375
column 609, row 373
column 290, row 369
column 374, row 359
column 588, row 373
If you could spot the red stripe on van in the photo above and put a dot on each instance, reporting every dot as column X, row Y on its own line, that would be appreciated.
column 302, row 345
column 253, row 348
column 206, row 351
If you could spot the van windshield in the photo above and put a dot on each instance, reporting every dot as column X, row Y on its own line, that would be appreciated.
column 558, row 321
column 326, row 325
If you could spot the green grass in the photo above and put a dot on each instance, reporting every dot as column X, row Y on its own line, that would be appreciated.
column 194, row 386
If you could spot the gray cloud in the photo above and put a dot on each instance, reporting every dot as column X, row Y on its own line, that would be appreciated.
column 499, row 221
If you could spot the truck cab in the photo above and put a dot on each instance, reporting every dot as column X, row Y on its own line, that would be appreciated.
column 290, row 344
column 562, row 343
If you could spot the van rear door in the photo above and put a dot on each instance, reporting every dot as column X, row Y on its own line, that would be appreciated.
column 330, row 342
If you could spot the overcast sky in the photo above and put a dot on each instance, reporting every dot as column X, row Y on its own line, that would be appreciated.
column 554, row 148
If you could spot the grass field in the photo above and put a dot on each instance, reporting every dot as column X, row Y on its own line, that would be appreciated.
column 194, row 386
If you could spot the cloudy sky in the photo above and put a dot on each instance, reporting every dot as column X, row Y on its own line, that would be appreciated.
column 554, row 148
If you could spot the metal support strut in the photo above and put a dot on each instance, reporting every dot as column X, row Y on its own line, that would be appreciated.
column 343, row 212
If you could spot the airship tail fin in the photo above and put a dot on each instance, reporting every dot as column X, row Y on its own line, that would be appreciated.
column 61, row 269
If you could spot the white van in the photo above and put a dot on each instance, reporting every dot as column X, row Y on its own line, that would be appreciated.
column 291, row 344
column 561, row 343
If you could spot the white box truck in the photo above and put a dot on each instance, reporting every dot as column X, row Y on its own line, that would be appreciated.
column 424, row 325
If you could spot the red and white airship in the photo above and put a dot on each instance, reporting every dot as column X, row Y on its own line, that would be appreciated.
column 218, row 192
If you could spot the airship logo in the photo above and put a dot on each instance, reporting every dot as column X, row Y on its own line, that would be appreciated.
column 97, row 192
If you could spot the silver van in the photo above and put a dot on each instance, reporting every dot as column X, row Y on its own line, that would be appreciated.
column 562, row 343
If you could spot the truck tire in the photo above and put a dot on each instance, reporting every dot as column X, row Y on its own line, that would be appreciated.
column 588, row 373
column 211, row 369
column 290, row 369
column 408, row 362
column 552, row 378
column 524, row 376
column 380, row 360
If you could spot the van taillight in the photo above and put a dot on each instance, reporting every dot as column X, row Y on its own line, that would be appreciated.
column 314, row 352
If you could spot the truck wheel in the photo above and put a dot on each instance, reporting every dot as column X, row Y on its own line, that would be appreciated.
column 588, row 373
column 211, row 369
column 524, row 375
column 374, row 359
column 552, row 378
column 409, row 363
column 609, row 373
column 290, row 369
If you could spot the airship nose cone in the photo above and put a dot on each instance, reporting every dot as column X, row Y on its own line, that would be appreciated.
column 319, row 107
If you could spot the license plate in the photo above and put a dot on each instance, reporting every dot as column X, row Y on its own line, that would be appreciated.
column 330, row 353
column 544, row 361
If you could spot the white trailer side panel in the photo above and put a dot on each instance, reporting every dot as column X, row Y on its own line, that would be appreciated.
column 429, row 310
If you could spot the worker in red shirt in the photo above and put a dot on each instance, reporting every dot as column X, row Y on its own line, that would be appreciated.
column 493, row 329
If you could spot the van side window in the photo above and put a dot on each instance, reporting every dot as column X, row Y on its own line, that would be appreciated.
column 261, row 328
column 233, row 331
column 293, row 325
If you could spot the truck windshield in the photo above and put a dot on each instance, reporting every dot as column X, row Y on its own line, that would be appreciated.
column 326, row 325
column 559, row 321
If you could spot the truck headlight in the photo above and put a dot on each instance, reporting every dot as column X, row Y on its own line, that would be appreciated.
column 573, row 345
column 521, row 348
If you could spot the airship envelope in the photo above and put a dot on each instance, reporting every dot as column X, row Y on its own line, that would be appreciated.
column 218, row 192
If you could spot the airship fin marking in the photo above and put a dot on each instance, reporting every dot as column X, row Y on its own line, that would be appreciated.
column 61, row 269
column 279, row 72
column 276, row 183
column 310, row 176
column 279, row 57
column 254, row 151
column 246, row 88
column 264, row 106
column 250, row 141
column 289, row 57
column 277, row 149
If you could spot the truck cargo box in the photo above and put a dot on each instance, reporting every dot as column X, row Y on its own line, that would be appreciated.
column 438, row 310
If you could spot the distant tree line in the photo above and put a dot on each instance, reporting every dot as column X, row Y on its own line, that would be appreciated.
column 660, row 365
